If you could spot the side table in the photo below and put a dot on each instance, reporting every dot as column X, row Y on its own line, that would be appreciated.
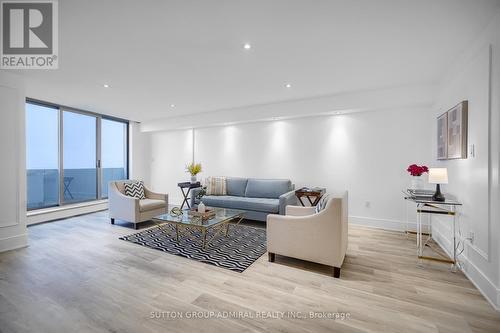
column 185, row 189
column 313, row 195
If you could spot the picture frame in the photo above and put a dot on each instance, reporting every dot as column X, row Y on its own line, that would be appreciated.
column 457, row 131
column 442, row 136
column 452, row 132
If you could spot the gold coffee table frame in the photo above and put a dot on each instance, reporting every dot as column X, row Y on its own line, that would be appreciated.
column 184, row 225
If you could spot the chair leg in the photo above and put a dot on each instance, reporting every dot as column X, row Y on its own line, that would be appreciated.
column 336, row 272
column 271, row 256
column 112, row 221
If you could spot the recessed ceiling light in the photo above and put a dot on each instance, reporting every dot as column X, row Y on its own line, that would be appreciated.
column 106, row 85
column 288, row 85
column 172, row 105
column 338, row 112
column 247, row 46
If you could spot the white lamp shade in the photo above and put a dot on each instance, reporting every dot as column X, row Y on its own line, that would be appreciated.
column 438, row 176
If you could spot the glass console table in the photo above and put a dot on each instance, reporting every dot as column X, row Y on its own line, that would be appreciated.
column 425, row 205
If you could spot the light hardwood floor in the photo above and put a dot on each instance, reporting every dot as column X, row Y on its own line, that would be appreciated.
column 77, row 276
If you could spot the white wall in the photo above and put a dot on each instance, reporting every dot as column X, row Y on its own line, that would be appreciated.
column 366, row 153
column 13, row 233
column 139, row 153
column 171, row 152
column 476, row 78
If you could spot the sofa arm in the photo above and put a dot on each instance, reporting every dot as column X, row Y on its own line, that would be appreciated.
column 154, row 195
column 286, row 199
column 299, row 210
column 193, row 193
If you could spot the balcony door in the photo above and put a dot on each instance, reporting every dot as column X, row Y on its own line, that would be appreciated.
column 42, row 156
column 80, row 172
column 114, row 140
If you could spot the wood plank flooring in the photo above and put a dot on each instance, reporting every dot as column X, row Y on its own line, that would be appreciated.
column 77, row 276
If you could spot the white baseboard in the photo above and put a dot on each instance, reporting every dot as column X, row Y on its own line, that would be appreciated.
column 472, row 272
column 395, row 225
column 13, row 242
column 51, row 214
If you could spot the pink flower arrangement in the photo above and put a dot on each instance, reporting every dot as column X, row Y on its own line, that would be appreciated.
column 417, row 170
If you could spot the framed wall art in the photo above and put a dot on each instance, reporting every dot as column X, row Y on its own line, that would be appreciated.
column 442, row 135
column 452, row 133
column 457, row 131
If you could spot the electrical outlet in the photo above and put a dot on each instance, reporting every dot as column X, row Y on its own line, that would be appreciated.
column 471, row 236
column 472, row 151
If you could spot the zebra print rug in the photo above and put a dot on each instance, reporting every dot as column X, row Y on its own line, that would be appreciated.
column 237, row 252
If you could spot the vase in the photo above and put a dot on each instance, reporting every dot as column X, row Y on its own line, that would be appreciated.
column 417, row 183
column 193, row 179
column 201, row 207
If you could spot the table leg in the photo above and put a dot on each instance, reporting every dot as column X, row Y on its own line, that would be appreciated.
column 454, row 265
column 316, row 201
column 418, row 230
column 310, row 201
column 177, row 233
column 185, row 194
column 300, row 200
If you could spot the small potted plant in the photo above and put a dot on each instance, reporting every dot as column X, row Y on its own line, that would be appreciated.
column 193, row 169
column 416, row 171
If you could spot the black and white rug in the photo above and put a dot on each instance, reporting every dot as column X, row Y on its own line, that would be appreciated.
column 237, row 252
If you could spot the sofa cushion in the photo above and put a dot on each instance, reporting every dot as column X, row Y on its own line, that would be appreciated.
column 150, row 204
column 321, row 204
column 236, row 186
column 267, row 188
column 255, row 204
column 216, row 185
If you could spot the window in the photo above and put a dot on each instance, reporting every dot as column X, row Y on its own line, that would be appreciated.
column 42, row 156
column 79, row 157
column 113, row 151
column 72, row 155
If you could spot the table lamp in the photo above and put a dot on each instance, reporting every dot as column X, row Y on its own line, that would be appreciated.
column 438, row 176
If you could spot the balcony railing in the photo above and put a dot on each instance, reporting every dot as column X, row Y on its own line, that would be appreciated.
column 79, row 185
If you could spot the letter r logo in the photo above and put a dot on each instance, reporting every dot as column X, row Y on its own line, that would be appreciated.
column 27, row 27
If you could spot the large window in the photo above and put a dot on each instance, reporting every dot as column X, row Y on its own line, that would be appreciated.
column 114, row 140
column 42, row 156
column 72, row 155
column 79, row 157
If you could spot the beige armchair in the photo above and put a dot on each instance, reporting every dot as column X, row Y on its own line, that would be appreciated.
column 317, row 237
column 132, row 209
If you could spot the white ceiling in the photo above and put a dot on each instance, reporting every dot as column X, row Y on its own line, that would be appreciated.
column 190, row 53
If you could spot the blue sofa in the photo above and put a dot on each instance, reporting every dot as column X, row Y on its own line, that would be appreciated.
column 259, row 197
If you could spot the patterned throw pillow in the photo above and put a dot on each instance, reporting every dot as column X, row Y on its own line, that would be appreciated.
column 322, row 203
column 135, row 189
column 216, row 186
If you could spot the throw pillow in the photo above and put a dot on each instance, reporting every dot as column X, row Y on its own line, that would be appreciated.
column 135, row 189
column 322, row 203
column 216, row 186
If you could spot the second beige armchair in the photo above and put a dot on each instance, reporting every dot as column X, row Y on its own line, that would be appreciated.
column 304, row 234
column 132, row 209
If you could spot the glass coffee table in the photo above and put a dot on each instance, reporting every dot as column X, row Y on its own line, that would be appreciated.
column 184, row 224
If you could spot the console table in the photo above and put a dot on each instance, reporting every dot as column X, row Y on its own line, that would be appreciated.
column 185, row 189
column 430, row 207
